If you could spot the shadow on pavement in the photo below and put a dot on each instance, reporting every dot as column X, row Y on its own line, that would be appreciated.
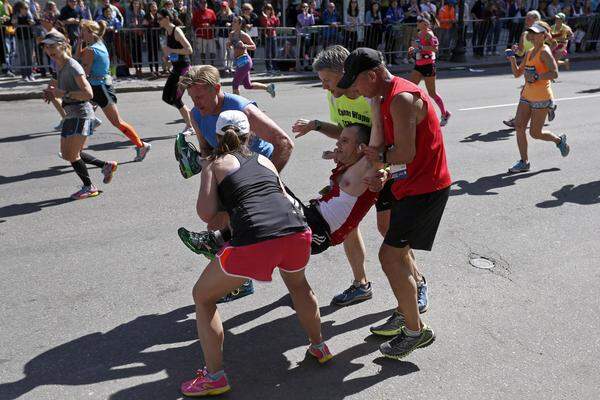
column 484, row 185
column 29, row 208
column 590, row 91
column 255, row 361
column 493, row 136
column 586, row 194
column 44, row 173
column 28, row 136
column 125, row 144
column 176, row 122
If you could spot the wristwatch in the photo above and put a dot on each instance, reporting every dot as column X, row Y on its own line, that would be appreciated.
column 318, row 125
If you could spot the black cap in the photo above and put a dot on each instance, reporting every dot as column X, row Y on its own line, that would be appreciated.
column 360, row 60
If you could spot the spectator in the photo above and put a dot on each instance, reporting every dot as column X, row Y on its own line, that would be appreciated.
column 251, row 24
column 286, row 57
column 374, row 29
column 70, row 17
column 153, row 38
column 492, row 17
column 409, row 26
column 353, row 21
column 224, row 20
column 233, row 5
column 134, row 19
column 428, row 7
column 22, row 19
column 480, row 27
column 447, row 19
column 84, row 10
column 116, row 13
column 516, row 13
column 270, row 22
column 291, row 12
column 576, row 9
column 393, row 18
column 9, row 46
column 182, row 13
column 51, row 11
column 305, row 20
column 331, row 18
column 553, row 9
column 113, row 25
column 203, row 22
column 315, row 11
column 543, row 9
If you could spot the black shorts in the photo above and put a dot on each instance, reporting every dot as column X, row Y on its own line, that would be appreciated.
column 426, row 70
column 321, row 239
column 386, row 198
column 103, row 95
column 415, row 220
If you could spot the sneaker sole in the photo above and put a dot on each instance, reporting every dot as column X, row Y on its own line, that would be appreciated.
column 386, row 333
column 237, row 297
column 213, row 392
column 424, row 310
column 206, row 254
column 321, row 360
column 86, row 197
column 356, row 300
column 420, row 346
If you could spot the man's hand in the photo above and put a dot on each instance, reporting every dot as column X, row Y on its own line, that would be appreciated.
column 375, row 183
column 302, row 127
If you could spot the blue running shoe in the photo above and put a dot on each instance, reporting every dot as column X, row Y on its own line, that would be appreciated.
column 422, row 298
column 354, row 294
column 520, row 166
column 246, row 289
column 563, row 146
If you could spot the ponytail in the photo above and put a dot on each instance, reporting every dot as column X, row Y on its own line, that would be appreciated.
column 230, row 142
column 102, row 28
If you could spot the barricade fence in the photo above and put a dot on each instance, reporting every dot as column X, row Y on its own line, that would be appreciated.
column 285, row 48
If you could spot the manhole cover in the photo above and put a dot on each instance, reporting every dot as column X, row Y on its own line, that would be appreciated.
column 482, row 263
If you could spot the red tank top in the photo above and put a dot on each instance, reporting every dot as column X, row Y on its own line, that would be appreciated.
column 428, row 172
column 341, row 211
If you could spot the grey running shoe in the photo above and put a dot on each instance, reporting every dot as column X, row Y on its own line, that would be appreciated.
column 354, row 294
column 552, row 112
column 520, row 166
column 391, row 327
column 563, row 146
column 271, row 89
column 402, row 345
column 141, row 152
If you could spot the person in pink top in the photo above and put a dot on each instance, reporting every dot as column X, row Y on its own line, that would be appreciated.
column 423, row 50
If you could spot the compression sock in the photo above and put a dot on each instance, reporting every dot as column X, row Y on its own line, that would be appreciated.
column 90, row 159
column 131, row 134
column 81, row 170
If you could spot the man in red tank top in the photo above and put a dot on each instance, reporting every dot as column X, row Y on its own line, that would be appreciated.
column 415, row 151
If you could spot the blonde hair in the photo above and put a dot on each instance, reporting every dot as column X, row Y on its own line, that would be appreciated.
column 97, row 28
column 203, row 74
column 230, row 142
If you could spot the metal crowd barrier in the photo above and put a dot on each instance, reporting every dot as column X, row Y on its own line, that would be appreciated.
column 286, row 48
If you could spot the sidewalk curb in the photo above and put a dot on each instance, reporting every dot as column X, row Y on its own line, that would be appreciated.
column 296, row 77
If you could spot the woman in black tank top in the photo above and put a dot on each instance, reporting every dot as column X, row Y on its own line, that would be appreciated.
column 267, row 232
column 177, row 51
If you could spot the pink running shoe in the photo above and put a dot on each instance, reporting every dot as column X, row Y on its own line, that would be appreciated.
column 85, row 192
column 322, row 354
column 203, row 385
column 109, row 169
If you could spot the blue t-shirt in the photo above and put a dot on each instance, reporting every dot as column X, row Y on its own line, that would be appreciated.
column 208, row 124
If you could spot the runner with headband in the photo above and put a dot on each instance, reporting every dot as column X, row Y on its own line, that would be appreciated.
column 424, row 49
column 96, row 63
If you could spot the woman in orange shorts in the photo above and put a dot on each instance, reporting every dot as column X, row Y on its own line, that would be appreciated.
column 539, row 68
column 268, row 232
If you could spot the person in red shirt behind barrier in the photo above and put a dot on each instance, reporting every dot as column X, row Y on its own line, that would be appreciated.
column 203, row 22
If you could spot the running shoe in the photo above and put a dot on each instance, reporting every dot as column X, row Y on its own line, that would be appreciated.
column 204, row 385
column 204, row 243
column 85, row 192
column 552, row 113
column 188, row 131
column 354, row 294
column 445, row 118
column 563, row 146
column 96, row 123
column 520, row 166
column 422, row 298
column 320, row 352
column 187, row 156
column 109, row 169
column 391, row 327
column 142, row 152
column 509, row 122
column 59, row 126
column 246, row 289
column 402, row 345
column 271, row 89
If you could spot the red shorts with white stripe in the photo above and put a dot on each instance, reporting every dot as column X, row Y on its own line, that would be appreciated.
column 257, row 261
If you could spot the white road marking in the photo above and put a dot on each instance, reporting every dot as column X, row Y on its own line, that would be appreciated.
column 514, row 104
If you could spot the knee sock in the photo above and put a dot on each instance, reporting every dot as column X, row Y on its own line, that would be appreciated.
column 131, row 134
column 90, row 159
column 81, row 170
column 438, row 100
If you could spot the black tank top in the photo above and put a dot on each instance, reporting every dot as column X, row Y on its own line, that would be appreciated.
column 257, row 208
column 173, row 43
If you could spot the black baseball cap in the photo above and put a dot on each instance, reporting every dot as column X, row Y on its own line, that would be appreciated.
column 360, row 60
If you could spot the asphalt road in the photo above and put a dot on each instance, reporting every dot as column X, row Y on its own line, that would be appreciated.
column 95, row 295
